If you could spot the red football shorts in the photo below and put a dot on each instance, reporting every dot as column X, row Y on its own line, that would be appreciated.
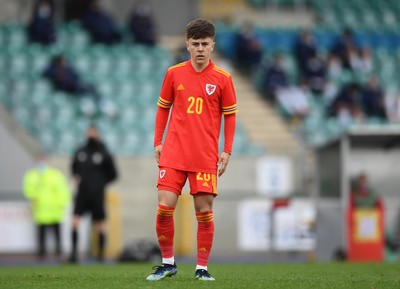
column 174, row 180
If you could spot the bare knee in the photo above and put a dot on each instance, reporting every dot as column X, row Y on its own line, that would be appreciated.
column 203, row 202
column 167, row 198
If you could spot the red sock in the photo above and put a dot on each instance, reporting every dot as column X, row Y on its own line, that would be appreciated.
column 205, row 235
column 165, row 230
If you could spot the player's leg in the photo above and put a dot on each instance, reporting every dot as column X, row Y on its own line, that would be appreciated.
column 165, row 234
column 203, row 203
column 203, row 187
column 170, row 184
column 165, row 224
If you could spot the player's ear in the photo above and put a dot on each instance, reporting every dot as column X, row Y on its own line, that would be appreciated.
column 187, row 45
column 213, row 45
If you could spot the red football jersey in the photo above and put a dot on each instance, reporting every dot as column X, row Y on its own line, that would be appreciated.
column 198, row 100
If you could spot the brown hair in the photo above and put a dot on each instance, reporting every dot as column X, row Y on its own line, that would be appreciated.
column 200, row 28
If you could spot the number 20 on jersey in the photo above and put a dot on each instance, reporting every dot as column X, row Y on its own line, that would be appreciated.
column 195, row 105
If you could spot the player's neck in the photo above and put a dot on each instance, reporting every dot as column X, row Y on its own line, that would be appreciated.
column 200, row 67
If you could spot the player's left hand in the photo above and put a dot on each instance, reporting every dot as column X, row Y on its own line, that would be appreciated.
column 157, row 152
column 223, row 163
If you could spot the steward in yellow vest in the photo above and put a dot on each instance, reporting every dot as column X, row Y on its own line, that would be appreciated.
column 47, row 189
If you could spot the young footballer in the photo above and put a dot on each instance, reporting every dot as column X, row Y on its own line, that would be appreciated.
column 198, row 93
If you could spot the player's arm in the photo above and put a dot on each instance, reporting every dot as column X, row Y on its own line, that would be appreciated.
column 164, row 104
column 161, row 123
column 229, row 134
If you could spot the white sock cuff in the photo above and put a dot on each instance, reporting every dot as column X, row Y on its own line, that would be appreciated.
column 170, row 261
column 198, row 267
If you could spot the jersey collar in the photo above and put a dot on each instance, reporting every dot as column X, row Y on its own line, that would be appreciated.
column 191, row 68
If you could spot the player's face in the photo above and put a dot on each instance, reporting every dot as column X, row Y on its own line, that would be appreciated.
column 200, row 50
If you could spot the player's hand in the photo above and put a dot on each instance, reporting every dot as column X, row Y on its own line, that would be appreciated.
column 157, row 152
column 223, row 163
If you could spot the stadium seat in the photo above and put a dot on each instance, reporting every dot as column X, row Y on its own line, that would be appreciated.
column 16, row 38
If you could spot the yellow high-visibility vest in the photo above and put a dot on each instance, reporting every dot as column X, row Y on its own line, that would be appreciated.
column 49, row 194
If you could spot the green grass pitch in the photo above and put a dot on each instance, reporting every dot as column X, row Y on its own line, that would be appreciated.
column 229, row 276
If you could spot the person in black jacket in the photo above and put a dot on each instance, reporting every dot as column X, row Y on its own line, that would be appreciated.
column 100, row 25
column 141, row 24
column 93, row 169
column 42, row 27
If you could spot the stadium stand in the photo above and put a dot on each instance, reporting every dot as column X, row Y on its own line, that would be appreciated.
column 374, row 26
column 128, row 76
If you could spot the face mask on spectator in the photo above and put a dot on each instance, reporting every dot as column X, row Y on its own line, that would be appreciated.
column 44, row 11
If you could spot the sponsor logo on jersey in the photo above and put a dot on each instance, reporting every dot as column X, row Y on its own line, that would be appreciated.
column 210, row 88
column 162, row 173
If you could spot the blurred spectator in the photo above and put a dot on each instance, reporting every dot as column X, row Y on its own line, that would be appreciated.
column 315, row 73
column 373, row 99
column 100, row 25
column 182, row 55
column 49, row 194
column 392, row 104
column 360, row 60
column 334, row 66
column 249, row 50
column 93, row 169
column 344, row 44
column 304, row 50
column 65, row 78
column 346, row 106
column 366, row 64
column 292, row 99
column 141, row 24
column 41, row 28
column 275, row 78
column 362, row 195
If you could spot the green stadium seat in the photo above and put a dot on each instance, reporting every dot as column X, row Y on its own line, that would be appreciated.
column 16, row 38
column 4, row 98
column 23, row 116
column 87, row 106
column 39, row 59
column 20, row 91
column 131, row 143
column 18, row 65
column 66, row 143
column 81, row 62
column 48, row 140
